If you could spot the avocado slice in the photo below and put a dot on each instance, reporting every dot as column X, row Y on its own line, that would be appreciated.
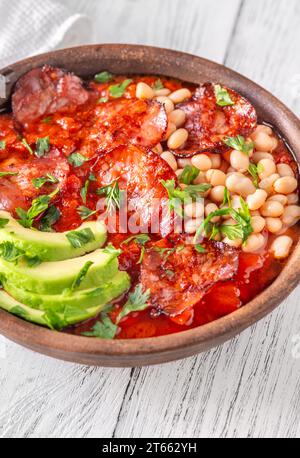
column 77, row 300
column 55, row 277
column 67, row 315
column 51, row 246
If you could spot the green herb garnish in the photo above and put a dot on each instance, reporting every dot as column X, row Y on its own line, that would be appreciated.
column 158, row 84
column 105, row 329
column 113, row 196
column 8, row 174
column 3, row 222
column 238, row 143
column 38, row 206
column 117, row 90
column 80, row 238
column 85, row 212
column 50, row 217
column 81, row 275
column 222, row 96
column 140, row 239
column 199, row 248
column 42, row 146
column 2, row 144
column 227, row 198
column 84, row 191
column 39, row 182
column 27, row 146
column 254, row 171
column 189, row 174
column 102, row 100
column 76, row 159
column 104, row 77
column 137, row 301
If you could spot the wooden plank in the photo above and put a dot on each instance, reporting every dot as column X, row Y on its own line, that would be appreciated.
column 183, row 25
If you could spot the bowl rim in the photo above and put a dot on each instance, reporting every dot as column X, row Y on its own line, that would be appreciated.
column 133, row 352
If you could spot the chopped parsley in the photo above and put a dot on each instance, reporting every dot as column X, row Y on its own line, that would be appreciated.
column 38, row 206
column 110, row 249
column 158, row 84
column 254, row 171
column 8, row 174
column 227, row 198
column 27, row 146
column 42, row 146
column 242, row 230
column 189, row 174
column 102, row 100
column 2, row 144
column 84, row 191
column 141, row 240
column 104, row 77
column 117, row 90
column 113, row 196
column 80, row 238
column 137, row 301
column 76, row 159
column 177, row 196
column 81, row 275
column 222, row 96
column 38, row 183
column 85, row 212
column 105, row 329
column 50, row 217
column 3, row 222
column 238, row 143
column 199, row 248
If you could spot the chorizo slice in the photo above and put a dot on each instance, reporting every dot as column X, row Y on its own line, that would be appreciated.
column 208, row 123
column 44, row 91
column 178, row 276
column 139, row 172
column 124, row 121
column 27, row 170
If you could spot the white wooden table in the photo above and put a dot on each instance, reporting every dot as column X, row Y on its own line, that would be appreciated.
column 250, row 387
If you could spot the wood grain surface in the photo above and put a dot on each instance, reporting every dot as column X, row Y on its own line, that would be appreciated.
column 250, row 387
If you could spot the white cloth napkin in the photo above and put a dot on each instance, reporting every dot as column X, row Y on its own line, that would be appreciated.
column 29, row 27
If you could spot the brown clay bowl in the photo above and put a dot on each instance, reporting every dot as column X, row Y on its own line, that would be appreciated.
column 86, row 61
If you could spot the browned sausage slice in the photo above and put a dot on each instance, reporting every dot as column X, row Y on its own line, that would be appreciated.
column 124, row 121
column 139, row 173
column 44, row 91
column 208, row 123
column 178, row 276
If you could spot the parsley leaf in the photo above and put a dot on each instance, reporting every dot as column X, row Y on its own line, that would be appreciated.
column 50, row 217
column 85, row 212
column 117, row 90
column 242, row 216
column 103, row 77
column 158, row 84
column 232, row 231
column 102, row 100
column 199, row 248
column 81, row 275
column 2, row 144
column 3, row 222
column 27, row 146
column 178, row 195
column 165, row 252
column 38, row 206
column 38, row 183
column 105, row 329
column 137, row 301
column 47, row 120
column 8, row 174
column 222, row 96
column 189, row 174
column 141, row 240
column 80, row 238
column 254, row 171
column 110, row 249
column 238, row 143
column 42, row 146
column 113, row 196
column 9, row 252
column 76, row 159
column 84, row 191
column 227, row 198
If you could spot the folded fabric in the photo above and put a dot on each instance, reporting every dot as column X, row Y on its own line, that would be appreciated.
column 28, row 27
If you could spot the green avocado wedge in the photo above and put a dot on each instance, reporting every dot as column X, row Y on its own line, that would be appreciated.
column 63, row 316
column 55, row 277
column 53, row 246
column 77, row 300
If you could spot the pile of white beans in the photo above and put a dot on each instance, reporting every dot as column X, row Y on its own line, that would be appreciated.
column 273, row 206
